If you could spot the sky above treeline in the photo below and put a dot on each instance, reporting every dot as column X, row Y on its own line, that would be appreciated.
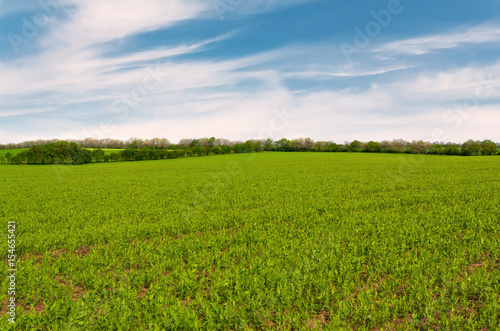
column 240, row 69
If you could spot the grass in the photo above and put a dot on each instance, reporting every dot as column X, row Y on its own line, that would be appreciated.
column 13, row 152
column 262, row 241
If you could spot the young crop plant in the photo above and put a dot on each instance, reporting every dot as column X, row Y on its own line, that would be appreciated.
column 267, row 241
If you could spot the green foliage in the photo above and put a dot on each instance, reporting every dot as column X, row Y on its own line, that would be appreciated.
column 372, row 147
column 194, row 143
column 114, row 157
column 282, row 145
column 451, row 149
column 98, row 155
column 70, row 153
column 419, row 147
column 436, row 149
column 471, row 147
column 211, row 142
column 489, row 147
column 257, row 147
column 133, row 145
column 269, row 145
column 265, row 241
column 333, row 147
column 355, row 146
column 62, row 152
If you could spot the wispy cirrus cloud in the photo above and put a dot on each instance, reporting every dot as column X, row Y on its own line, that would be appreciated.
column 453, row 39
column 218, row 83
column 93, row 22
column 346, row 73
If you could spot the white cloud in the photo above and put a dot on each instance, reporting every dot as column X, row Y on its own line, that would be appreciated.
column 453, row 84
column 347, row 73
column 453, row 39
column 226, row 9
column 233, row 98
column 206, row 98
column 96, row 21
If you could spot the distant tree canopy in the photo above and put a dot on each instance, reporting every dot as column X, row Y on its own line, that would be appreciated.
column 72, row 152
column 60, row 152
column 486, row 147
column 95, row 143
column 63, row 152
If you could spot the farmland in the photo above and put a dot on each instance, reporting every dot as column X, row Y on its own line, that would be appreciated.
column 256, row 241
column 3, row 152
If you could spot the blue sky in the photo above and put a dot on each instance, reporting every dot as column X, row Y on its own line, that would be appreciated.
column 241, row 69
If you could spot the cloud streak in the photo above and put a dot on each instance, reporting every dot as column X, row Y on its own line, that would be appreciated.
column 433, row 43
column 71, row 83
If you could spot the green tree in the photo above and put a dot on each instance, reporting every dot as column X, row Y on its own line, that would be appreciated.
column 451, row 149
column 333, row 147
column 418, row 147
column 319, row 146
column 283, row 145
column 397, row 146
column 194, row 143
column 198, row 151
column 372, row 147
column 269, row 145
column 257, row 147
column 471, row 147
column 355, row 146
column 489, row 147
column 128, row 154
column 98, row 155
column 226, row 149
column 114, row 157
column 216, row 150
column 86, row 156
column 133, row 144
column 211, row 142
column 436, row 149
column 161, row 153
column 20, row 158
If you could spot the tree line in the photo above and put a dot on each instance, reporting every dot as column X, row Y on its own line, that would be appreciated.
column 468, row 148
column 121, row 144
column 64, row 152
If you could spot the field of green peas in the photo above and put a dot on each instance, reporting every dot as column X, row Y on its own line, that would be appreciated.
column 268, row 241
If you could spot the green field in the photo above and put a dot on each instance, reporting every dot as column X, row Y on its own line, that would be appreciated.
column 268, row 241
column 3, row 152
